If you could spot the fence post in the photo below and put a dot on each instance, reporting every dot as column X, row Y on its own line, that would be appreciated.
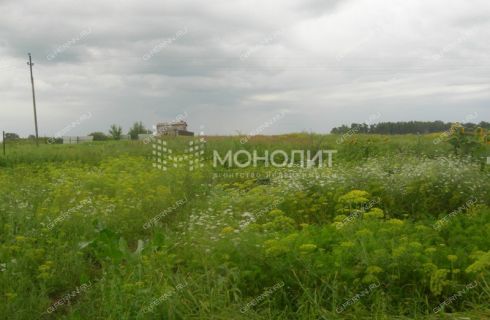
column 3, row 142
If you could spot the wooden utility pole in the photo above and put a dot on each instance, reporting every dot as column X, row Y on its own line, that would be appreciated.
column 33, row 98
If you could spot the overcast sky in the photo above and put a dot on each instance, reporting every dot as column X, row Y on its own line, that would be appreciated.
column 231, row 66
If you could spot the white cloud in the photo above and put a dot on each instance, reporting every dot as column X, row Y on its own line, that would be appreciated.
column 329, row 62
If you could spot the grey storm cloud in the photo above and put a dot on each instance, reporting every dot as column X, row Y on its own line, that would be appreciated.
column 233, row 65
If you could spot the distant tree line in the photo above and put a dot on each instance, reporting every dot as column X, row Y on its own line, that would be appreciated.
column 405, row 127
column 116, row 132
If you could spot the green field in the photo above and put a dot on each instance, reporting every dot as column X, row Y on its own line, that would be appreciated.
column 397, row 228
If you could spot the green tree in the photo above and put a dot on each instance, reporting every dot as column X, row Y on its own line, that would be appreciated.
column 11, row 136
column 98, row 136
column 115, row 131
column 406, row 127
column 136, row 129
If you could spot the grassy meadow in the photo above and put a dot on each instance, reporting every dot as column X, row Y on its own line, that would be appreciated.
column 397, row 228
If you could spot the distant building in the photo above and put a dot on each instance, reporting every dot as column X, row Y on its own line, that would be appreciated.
column 178, row 128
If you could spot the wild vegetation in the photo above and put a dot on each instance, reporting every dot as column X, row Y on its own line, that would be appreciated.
column 397, row 228
column 407, row 127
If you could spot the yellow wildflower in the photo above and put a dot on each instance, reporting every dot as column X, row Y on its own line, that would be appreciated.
column 374, row 213
column 374, row 269
column 305, row 248
column 20, row 238
column 227, row 230
column 452, row 257
column 347, row 244
column 396, row 222
column 10, row 295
